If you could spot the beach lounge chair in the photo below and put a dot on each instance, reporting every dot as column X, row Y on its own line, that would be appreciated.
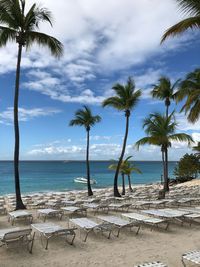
column 116, row 206
column 49, row 230
column 97, row 207
column 192, row 256
column 119, row 223
column 49, row 213
column 73, row 210
column 152, row 264
column 146, row 219
column 13, row 235
column 89, row 225
column 20, row 215
column 175, row 215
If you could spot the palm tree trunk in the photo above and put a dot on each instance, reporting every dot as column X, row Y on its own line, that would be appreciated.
column 116, row 191
column 166, row 179
column 19, row 203
column 90, row 193
column 129, row 183
column 123, row 185
column 167, row 111
column 166, row 169
column 163, row 162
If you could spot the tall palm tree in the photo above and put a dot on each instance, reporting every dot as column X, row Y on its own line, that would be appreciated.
column 125, row 100
column 164, row 90
column 16, row 26
column 85, row 118
column 190, row 89
column 190, row 8
column 160, row 131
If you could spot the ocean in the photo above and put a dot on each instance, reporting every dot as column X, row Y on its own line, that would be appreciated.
column 43, row 176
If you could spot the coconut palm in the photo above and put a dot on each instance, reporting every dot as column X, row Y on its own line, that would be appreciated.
column 85, row 118
column 164, row 90
column 16, row 26
column 121, row 170
column 189, row 89
column 126, row 99
column 160, row 131
column 128, row 169
column 192, row 9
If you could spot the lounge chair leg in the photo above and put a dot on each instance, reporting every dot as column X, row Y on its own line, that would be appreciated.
column 87, row 233
column 182, row 260
column 109, row 234
column 47, row 243
column 167, row 226
column 118, row 232
column 138, row 230
column 32, row 241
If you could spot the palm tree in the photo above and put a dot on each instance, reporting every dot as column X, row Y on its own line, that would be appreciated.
column 190, row 8
column 190, row 89
column 85, row 118
column 125, row 100
column 160, row 131
column 128, row 169
column 22, row 29
column 122, row 171
column 164, row 90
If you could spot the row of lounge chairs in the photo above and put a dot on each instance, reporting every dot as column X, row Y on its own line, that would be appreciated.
column 49, row 230
column 189, row 257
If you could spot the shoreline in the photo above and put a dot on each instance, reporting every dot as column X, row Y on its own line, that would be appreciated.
column 156, row 185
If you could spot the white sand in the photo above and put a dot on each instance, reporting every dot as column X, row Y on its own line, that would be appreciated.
column 127, row 250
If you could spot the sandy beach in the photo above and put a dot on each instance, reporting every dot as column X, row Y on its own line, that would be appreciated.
column 127, row 250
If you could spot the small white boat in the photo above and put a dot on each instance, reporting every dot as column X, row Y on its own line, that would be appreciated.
column 83, row 180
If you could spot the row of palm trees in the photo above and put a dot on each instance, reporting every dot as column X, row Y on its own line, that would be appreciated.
column 22, row 27
column 160, row 129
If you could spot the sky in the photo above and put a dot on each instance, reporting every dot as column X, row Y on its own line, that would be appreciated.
column 104, row 44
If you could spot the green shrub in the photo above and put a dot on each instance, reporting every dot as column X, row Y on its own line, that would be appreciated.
column 188, row 168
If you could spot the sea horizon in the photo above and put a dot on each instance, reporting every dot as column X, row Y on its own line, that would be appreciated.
column 59, row 175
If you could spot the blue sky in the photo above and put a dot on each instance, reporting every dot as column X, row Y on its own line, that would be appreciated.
column 104, row 44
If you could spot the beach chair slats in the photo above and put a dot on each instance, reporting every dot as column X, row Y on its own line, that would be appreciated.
column 152, row 264
column 84, row 223
column 193, row 256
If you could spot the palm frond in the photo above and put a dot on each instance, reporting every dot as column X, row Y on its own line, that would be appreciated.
column 45, row 40
column 84, row 117
column 182, row 26
column 6, row 34
column 126, row 97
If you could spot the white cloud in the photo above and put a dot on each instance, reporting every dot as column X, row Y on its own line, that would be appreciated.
column 99, row 38
column 104, row 151
column 6, row 117
column 184, row 125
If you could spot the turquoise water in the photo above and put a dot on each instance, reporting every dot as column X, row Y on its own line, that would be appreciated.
column 40, row 176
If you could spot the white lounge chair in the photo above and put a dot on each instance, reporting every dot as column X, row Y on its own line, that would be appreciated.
column 119, row 223
column 152, row 264
column 73, row 210
column 146, row 219
column 89, row 225
column 49, row 213
column 192, row 256
column 20, row 214
column 97, row 207
column 13, row 235
column 117, row 206
column 49, row 230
